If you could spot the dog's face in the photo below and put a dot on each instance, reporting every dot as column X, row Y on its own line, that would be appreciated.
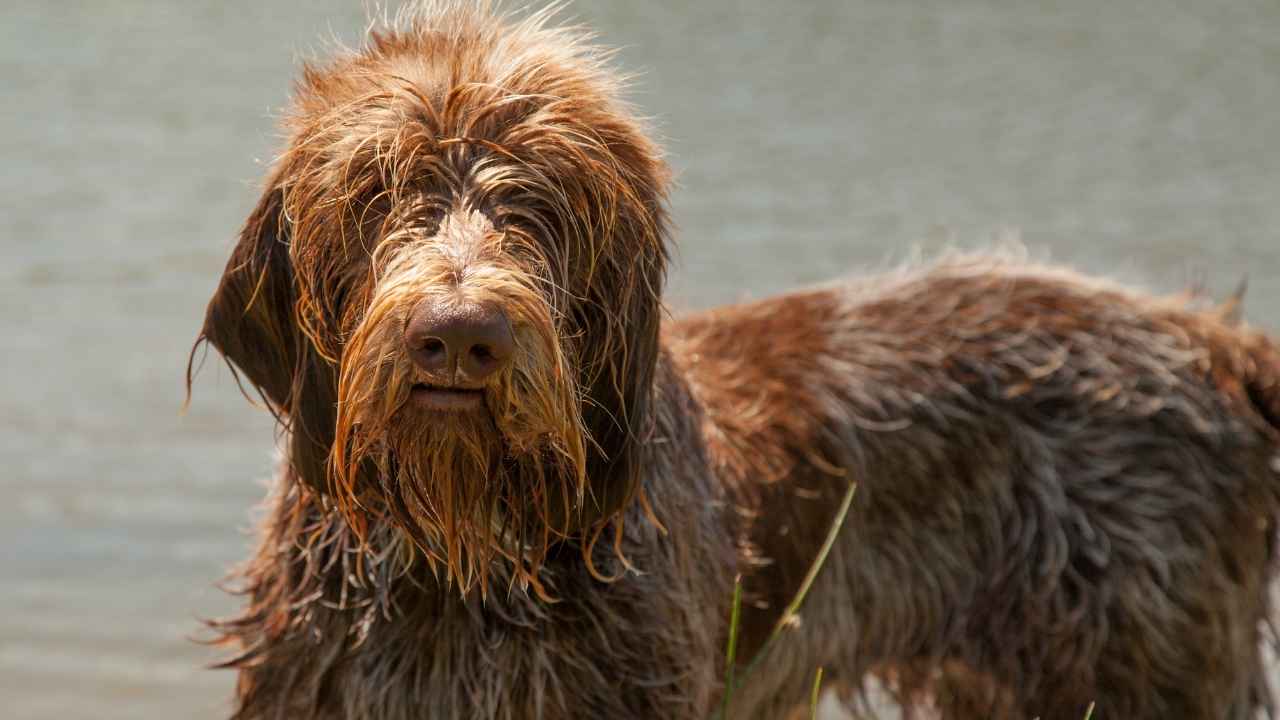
column 450, row 289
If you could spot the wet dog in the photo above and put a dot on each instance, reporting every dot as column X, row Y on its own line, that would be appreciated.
column 512, row 489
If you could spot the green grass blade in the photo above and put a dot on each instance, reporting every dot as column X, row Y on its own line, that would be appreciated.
column 813, row 697
column 818, row 562
column 731, row 652
column 790, row 613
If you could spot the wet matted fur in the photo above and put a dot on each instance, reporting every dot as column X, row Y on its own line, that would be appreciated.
column 1067, row 490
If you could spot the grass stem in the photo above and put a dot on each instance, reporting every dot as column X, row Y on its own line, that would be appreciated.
column 813, row 696
column 789, row 615
column 731, row 653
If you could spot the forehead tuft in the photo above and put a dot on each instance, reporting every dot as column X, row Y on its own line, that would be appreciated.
column 433, row 51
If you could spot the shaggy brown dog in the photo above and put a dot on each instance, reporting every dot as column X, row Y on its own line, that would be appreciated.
column 512, row 491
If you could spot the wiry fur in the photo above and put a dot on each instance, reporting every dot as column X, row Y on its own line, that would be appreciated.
column 1067, row 491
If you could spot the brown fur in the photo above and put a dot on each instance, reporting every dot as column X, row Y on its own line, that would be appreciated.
column 1067, row 491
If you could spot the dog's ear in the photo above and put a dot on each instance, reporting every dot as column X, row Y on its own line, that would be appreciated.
column 622, row 316
column 251, row 321
column 618, row 417
column 250, row 317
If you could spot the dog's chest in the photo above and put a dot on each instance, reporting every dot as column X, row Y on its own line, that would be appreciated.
column 587, row 656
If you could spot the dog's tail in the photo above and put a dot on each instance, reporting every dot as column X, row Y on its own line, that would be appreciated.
column 1262, row 385
column 1259, row 374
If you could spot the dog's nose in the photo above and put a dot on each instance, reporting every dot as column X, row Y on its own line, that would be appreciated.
column 459, row 343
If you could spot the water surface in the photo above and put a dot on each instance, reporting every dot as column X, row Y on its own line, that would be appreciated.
column 811, row 139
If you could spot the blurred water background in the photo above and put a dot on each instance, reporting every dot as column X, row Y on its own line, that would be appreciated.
column 1138, row 139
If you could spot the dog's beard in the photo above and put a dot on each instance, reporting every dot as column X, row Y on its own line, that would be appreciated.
column 474, row 509
column 482, row 494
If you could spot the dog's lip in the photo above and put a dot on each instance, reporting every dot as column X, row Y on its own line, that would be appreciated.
column 437, row 397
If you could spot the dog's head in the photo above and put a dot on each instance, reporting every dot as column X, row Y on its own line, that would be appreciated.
column 449, row 291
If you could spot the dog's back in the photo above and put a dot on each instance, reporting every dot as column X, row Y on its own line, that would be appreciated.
column 1067, row 492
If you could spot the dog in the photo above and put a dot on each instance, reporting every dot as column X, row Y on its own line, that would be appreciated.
column 513, row 488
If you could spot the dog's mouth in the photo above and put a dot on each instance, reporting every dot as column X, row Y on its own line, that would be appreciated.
column 448, row 399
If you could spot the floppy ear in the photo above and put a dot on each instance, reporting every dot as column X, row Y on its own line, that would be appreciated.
column 618, row 416
column 251, row 321
column 621, row 317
